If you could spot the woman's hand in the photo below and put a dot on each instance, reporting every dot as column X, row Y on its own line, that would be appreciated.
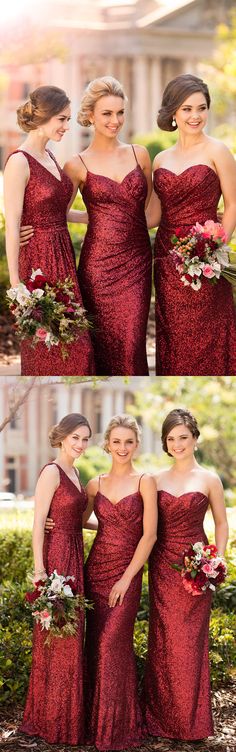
column 26, row 232
column 49, row 525
column 118, row 591
column 39, row 576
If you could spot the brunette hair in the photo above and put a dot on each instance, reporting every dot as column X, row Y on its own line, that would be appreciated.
column 99, row 87
column 67, row 425
column 43, row 103
column 178, row 417
column 176, row 91
column 125, row 421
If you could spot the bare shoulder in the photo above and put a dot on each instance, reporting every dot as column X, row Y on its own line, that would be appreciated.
column 218, row 149
column 141, row 152
column 50, row 473
column 147, row 481
column 160, row 158
column 92, row 486
column 159, row 477
column 74, row 167
column 213, row 480
column 17, row 162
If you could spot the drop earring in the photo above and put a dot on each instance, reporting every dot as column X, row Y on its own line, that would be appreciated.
column 173, row 121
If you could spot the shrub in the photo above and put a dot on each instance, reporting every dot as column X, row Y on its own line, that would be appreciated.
column 156, row 141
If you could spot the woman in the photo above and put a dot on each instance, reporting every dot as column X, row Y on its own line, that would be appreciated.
column 177, row 682
column 54, row 707
column 38, row 192
column 196, row 331
column 126, row 508
column 115, row 263
column 125, row 505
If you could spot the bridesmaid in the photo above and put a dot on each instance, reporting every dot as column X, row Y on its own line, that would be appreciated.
column 125, row 504
column 115, row 263
column 37, row 191
column 177, row 682
column 196, row 331
column 54, row 708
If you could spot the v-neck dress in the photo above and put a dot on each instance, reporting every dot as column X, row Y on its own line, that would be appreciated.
column 54, row 707
column 113, row 715
column 115, row 271
column 50, row 249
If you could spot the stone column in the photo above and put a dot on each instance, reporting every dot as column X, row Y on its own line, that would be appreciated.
column 107, row 408
column 140, row 86
column 155, row 91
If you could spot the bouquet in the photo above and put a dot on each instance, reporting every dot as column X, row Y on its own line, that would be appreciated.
column 47, row 313
column 202, row 253
column 202, row 568
column 55, row 605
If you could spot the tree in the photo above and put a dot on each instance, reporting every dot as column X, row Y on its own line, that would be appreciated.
column 211, row 399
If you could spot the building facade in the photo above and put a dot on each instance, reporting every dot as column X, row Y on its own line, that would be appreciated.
column 24, row 445
column 144, row 43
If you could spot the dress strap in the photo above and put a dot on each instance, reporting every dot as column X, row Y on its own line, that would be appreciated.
column 141, row 476
column 83, row 162
column 134, row 154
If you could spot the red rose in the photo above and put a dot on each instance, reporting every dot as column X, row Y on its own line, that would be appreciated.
column 39, row 281
column 37, row 315
column 179, row 232
column 200, row 579
column 200, row 248
column 32, row 596
column 62, row 297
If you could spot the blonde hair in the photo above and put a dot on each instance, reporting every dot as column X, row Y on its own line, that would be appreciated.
column 125, row 421
column 43, row 103
column 67, row 425
column 99, row 87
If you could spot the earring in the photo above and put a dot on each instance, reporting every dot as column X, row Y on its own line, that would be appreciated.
column 173, row 121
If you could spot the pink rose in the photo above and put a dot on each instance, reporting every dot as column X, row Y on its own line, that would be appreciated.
column 214, row 230
column 208, row 271
column 41, row 333
column 208, row 569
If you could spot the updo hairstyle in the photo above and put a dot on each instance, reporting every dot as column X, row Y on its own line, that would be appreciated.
column 125, row 421
column 175, row 93
column 99, row 87
column 67, row 425
column 175, row 418
column 43, row 103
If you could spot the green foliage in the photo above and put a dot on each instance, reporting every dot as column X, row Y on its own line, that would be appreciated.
column 156, row 141
column 210, row 400
column 94, row 462
column 16, row 556
column 222, row 645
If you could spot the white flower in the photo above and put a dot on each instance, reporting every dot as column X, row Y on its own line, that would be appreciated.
column 56, row 585
column 196, row 284
column 38, row 293
column 211, row 587
column 19, row 293
column 198, row 547
column 35, row 273
column 67, row 591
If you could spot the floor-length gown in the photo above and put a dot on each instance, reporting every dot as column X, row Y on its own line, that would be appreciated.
column 195, row 330
column 115, row 271
column 114, row 719
column 54, row 708
column 50, row 249
column 177, row 681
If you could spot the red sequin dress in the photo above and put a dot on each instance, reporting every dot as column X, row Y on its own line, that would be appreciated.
column 113, row 713
column 50, row 249
column 196, row 331
column 54, row 707
column 115, row 271
column 177, row 681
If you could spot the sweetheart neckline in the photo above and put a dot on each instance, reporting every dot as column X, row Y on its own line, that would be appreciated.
column 122, row 499
column 105, row 177
column 187, row 493
column 178, row 174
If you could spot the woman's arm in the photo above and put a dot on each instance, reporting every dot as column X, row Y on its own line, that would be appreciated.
column 226, row 169
column 149, row 494
column 216, row 498
column 46, row 486
column 16, row 176
column 73, row 170
column 91, row 489
column 153, row 211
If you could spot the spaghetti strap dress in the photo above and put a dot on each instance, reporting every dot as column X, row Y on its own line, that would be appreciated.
column 113, row 715
column 115, row 271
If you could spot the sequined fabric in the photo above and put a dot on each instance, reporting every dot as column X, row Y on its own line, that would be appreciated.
column 50, row 249
column 177, row 685
column 113, row 714
column 196, row 331
column 54, row 707
column 115, row 272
